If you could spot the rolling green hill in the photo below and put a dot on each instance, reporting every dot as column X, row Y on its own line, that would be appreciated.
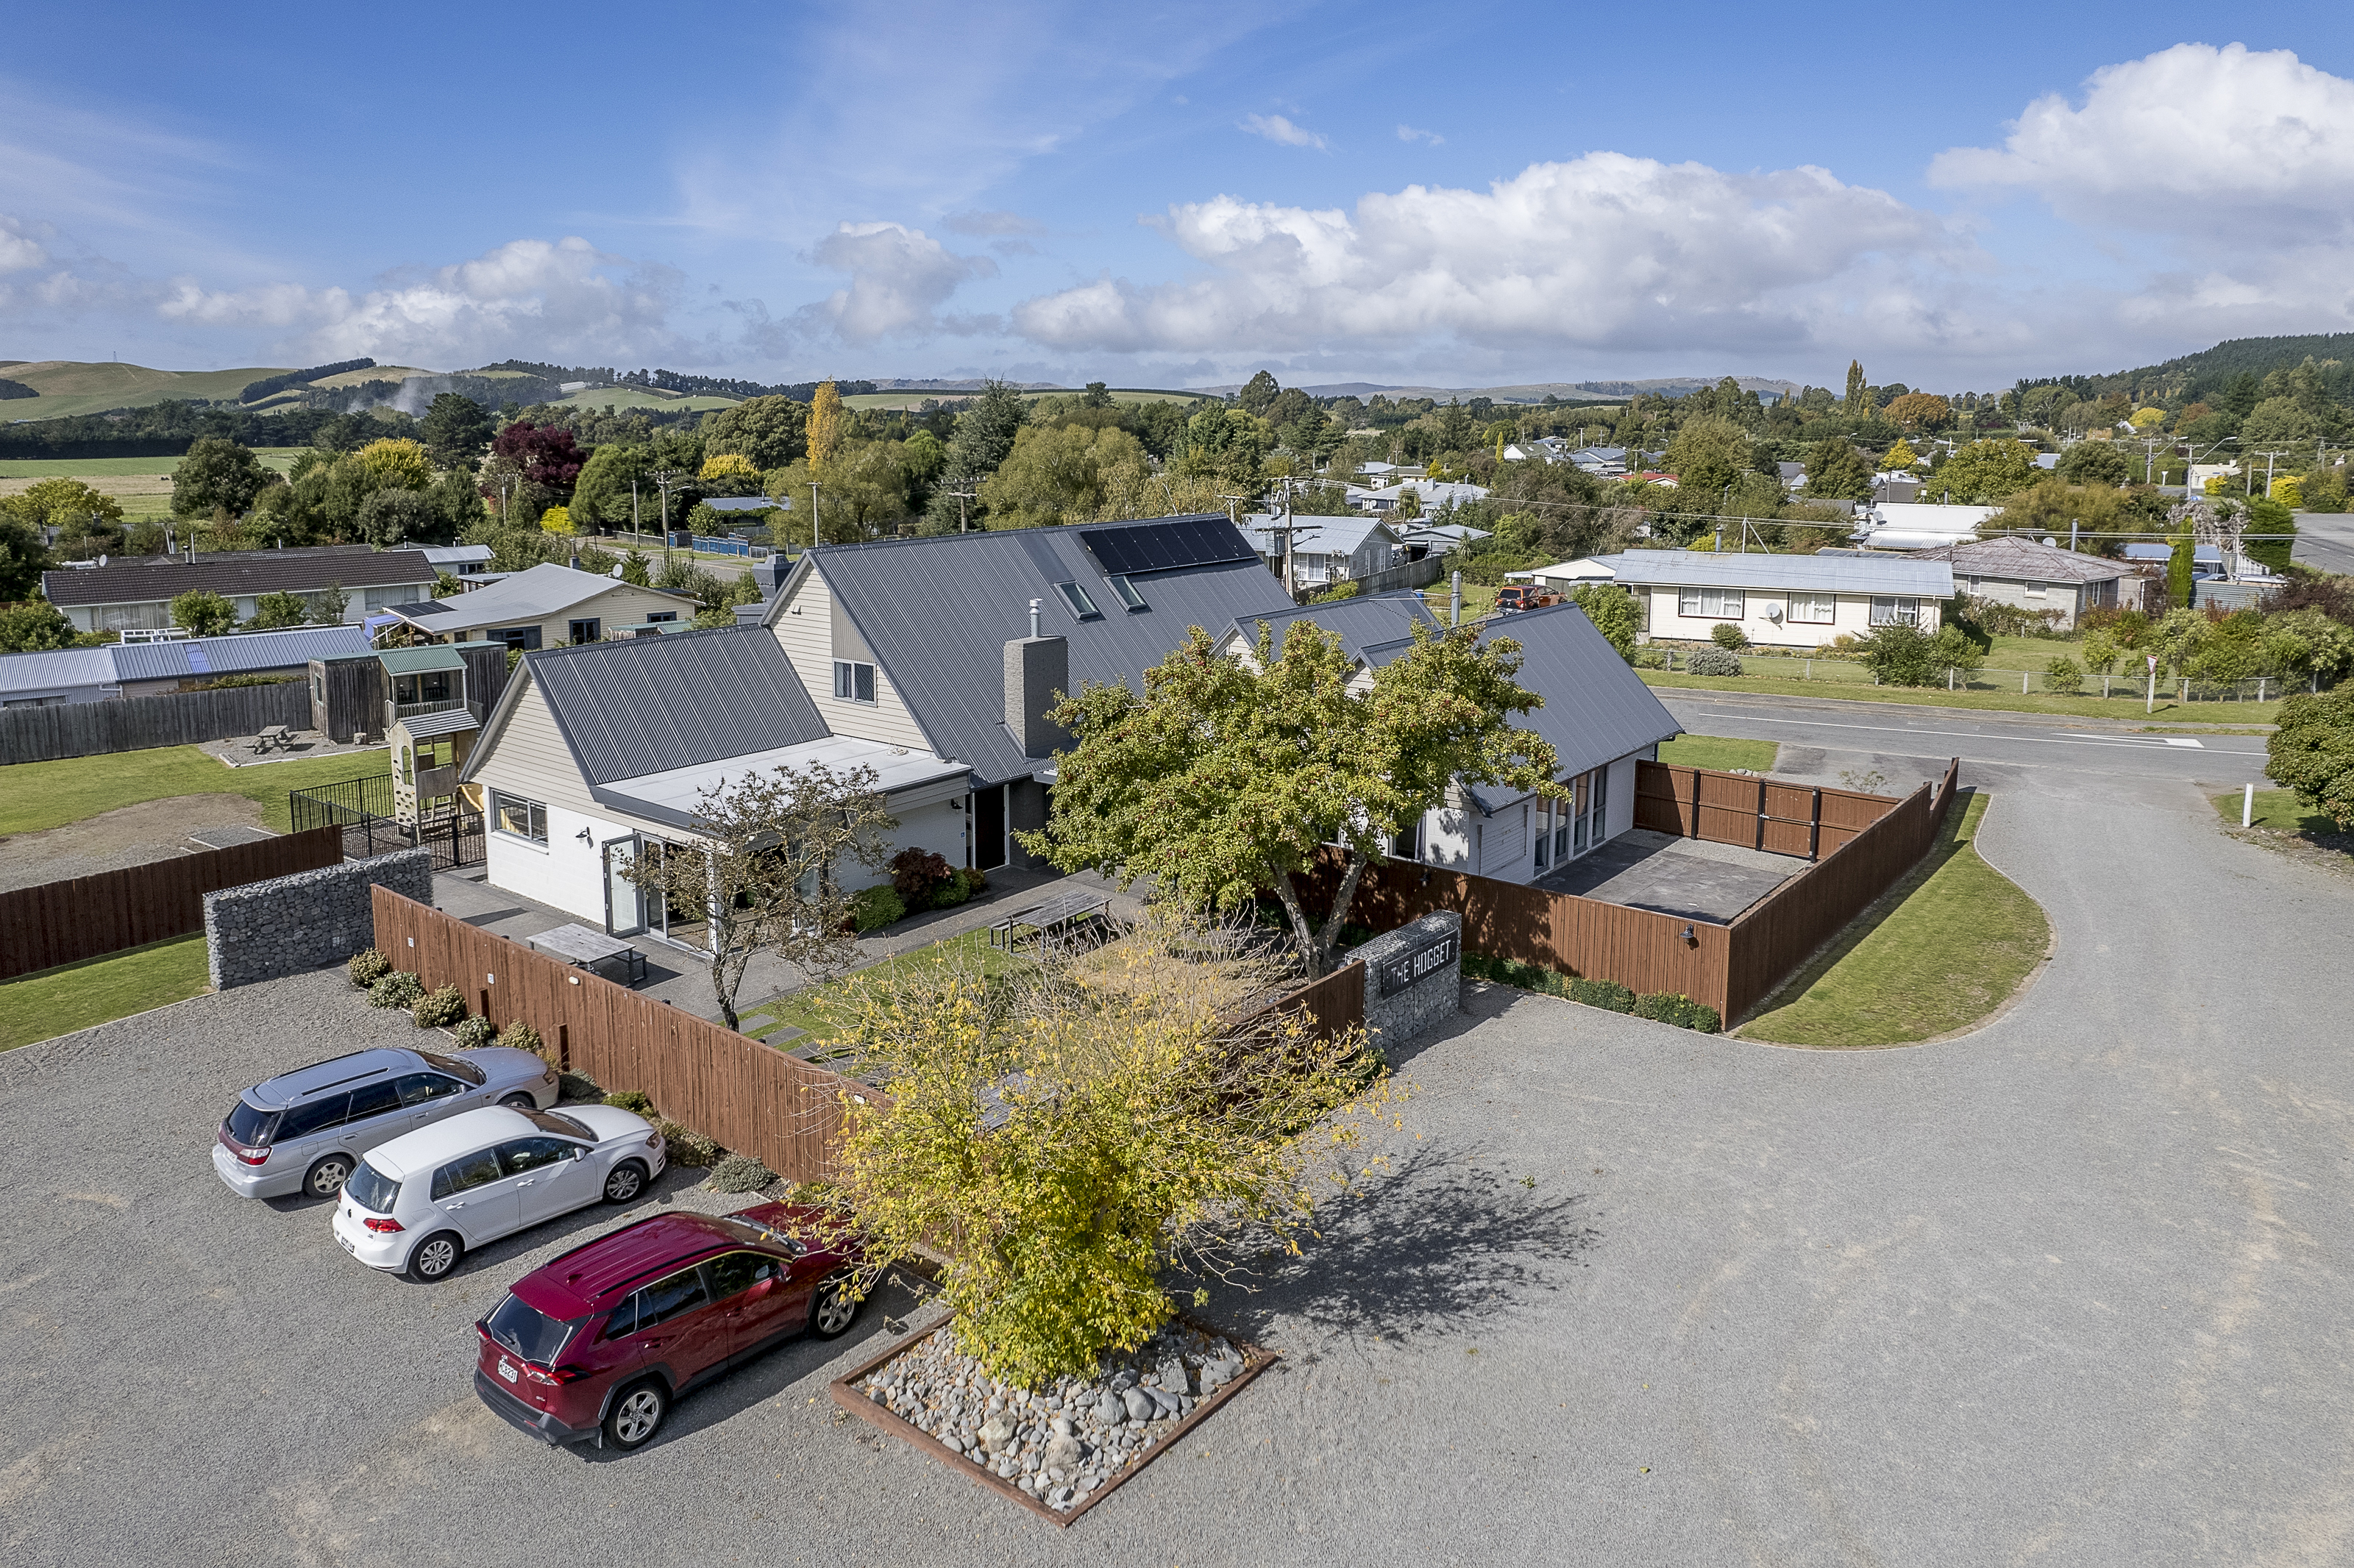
column 72, row 387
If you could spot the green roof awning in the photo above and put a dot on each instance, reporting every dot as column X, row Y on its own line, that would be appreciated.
column 416, row 661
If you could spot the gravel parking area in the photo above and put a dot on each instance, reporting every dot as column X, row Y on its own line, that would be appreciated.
column 2069, row 1289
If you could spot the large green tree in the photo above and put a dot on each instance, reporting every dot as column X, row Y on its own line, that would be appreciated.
column 1837, row 472
column 1061, row 475
column 203, row 613
column 218, row 473
column 1226, row 778
column 455, row 429
column 1708, row 456
column 34, row 627
column 983, row 438
column 2312, row 752
column 2094, row 462
column 87, row 522
column 770, row 432
column 22, row 556
column 1984, row 473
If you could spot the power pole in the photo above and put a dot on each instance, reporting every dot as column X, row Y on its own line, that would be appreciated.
column 964, row 525
column 2268, row 458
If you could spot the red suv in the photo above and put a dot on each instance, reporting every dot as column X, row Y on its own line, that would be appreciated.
column 599, row 1342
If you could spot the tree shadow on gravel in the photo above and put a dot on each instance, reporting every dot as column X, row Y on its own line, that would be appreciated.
column 1429, row 1246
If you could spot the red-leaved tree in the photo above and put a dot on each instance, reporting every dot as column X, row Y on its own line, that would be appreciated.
column 547, row 454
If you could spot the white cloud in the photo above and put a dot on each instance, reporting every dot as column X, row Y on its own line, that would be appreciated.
column 1408, row 134
column 1276, row 128
column 2191, row 138
column 536, row 298
column 1607, row 251
column 899, row 278
column 22, row 246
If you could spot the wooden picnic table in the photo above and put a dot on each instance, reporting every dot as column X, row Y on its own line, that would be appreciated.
column 1055, row 918
column 280, row 735
column 591, row 951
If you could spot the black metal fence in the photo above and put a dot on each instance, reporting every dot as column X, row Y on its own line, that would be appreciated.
column 363, row 808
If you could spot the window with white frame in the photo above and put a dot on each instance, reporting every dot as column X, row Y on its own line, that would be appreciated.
column 1813, row 609
column 1710, row 604
column 854, row 682
column 518, row 818
column 1890, row 611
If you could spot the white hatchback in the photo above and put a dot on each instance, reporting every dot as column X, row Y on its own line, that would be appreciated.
column 418, row 1203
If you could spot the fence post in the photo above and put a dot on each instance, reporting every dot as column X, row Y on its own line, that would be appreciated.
column 1815, row 828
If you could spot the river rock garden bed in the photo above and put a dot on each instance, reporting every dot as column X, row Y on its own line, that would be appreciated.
column 1060, row 1448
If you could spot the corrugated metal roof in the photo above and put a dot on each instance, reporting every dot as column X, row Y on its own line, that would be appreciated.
column 55, row 672
column 1596, row 708
column 1312, row 536
column 2024, row 560
column 654, row 703
column 547, row 589
column 416, row 661
column 239, row 654
column 937, row 613
column 449, row 721
column 161, row 578
column 1371, row 630
column 1834, row 574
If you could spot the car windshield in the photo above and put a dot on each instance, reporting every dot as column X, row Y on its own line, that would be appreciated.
column 528, row 1332
column 250, row 1125
column 562, row 1126
column 371, row 1189
column 455, row 1068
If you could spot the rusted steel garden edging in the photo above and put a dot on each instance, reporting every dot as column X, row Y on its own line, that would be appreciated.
column 1256, row 1360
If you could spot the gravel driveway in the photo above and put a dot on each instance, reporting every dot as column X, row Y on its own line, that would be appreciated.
column 2070, row 1290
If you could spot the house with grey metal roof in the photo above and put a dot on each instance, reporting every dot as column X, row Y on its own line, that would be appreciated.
column 55, row 675
column 144, row 669
column 543, row 607
column 602, row 752
column 1321, row 551
column 1777, row 600
column 1596, row 713
column 131, row 595
column 953, row 645
column 2042, row 579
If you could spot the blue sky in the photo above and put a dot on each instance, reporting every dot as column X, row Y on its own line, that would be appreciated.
column 1178, row 195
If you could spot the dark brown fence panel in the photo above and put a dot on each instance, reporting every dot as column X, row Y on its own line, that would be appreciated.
column 1334, row 1004
column 1756, row 814
column 744, row 1095
column 1773, row 938
column 134, row 724
column 87, row 916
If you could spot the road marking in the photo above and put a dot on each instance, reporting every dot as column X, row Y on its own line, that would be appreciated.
column 1894, row 731
column 2143, row 740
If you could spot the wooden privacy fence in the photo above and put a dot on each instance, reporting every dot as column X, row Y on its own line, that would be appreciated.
column 1756, row 814
column 1334, row 1004
column 1772, row 937
column 134, row 724
column 733, row 1089
column 1730, row 968
column 87, row 916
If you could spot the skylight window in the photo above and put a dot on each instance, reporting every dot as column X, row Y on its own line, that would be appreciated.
column 1076, row 598
column 1128, row 597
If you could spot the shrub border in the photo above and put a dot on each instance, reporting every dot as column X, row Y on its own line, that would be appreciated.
column 1257, row 1359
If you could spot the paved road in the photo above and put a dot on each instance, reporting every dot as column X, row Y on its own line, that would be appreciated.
column 2326, row 540
column 2068, row 1291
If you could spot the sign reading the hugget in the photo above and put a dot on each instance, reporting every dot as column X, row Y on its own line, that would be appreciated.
column 1395, row 973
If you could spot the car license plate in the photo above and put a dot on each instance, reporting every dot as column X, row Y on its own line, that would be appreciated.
column 349, row 1246
column 506, row 1370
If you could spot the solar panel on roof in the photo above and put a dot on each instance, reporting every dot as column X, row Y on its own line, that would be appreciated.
column 1169, row 544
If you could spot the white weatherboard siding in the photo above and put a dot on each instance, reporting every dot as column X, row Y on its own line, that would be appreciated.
column 565, row 873
column 1504, row 843
column 527, row 756
column 813, row 634
column 624, row 604
column 1850, row 616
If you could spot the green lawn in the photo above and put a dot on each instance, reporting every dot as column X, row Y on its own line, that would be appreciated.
column 1949, row 944
column 2003, row 702
column 2277, row 809
column 1720, row 752
column 810, row 1011
column 75, row 996
column 37, row 795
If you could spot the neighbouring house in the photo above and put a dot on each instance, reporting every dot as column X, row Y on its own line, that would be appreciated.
column 55, row 677
column 954, row 645
column 138, row 594
column 1421, row 541
column 1793, row 476
column 1323, row 550
column 1432, row 494
column 602, row 753
column 1903, row 524
column 1600, row 716
column 145, row 669
column 2012, row 571
column 1790, row 601
column 461, row 561
column 545, row 607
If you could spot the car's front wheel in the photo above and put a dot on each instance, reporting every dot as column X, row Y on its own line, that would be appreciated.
column 637, row 1414
column 435, row 1256
column 624, row 1181
column 520, row 1101
column 327, row 1176
column 834, row 1308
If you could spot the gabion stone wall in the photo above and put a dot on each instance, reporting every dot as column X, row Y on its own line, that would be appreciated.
column 308, row 921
